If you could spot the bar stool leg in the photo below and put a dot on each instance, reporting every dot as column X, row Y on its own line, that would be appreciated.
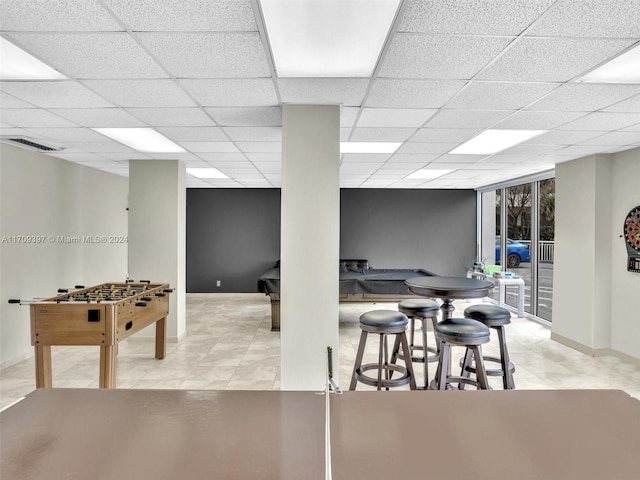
column 425, row 353
column 380, row 358
column 507, row 378
column 359, row 355
column 443, row 366
column 465, row 363
column 481, row 373
column 407, row 361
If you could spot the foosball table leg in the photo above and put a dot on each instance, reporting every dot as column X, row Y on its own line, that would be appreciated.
column 161, row 337
column 108, row 366
column 43, row 366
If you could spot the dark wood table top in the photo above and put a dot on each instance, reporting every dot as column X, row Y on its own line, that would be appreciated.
column 449, row 287
column 170, row 434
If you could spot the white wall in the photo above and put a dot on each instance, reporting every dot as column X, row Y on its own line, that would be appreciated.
column 595, row 299
column 49, row 198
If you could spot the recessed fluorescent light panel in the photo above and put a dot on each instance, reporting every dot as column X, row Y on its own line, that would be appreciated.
column 494, row 141
column 327, row 38
column 141, row 139
column 369, row 147
column 426, row 174
column 16, row 64
column 622, row 69
column 206, row 173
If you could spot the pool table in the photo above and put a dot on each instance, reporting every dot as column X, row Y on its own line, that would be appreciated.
column 358, row 283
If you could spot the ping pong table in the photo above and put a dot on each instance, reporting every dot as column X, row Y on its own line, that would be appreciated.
column 443, row 435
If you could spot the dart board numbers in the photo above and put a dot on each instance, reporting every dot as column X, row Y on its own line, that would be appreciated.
column 632, row 238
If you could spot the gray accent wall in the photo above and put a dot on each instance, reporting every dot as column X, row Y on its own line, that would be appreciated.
column 430, row 229
column 233, row 235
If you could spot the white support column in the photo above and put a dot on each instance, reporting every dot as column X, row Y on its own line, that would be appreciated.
column 310, row 243
column 157, row 231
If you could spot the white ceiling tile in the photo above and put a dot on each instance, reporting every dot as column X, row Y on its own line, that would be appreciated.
column 8, row 101
column 31, row 117
column 546, row 59
column 141, row 93
column 590, row 18
column 183, row 156
column 397, row 167
column 630, row 105
column 172, row 117
column 243, row 92
column 584, row 97
column 529, row 120
column 326, row 91
column 194, row 15
column 92, row 55
column 404, row 93
column 254, row 134
column 446, row 135
column 70, row 135
column 247, row 117
column 388, row 134
column 499, row 95
column 565, row 137
column 260, row 147
column 98, row 147
column 603, row 121
column 238, row 164
column 365, row 157
column 55, row 15
column 13, row 132
column 269, row 167
column 193, row 134
column 413, row 157
column 436, row 56
column 263, row 158
column 467, row 119
column 209, row 55
column 360, row 168
column 531, row 149
column 124, row 157
column 394, row 117
column 580, row 150
column 98, row 117
column 483, row 17
column 614, row 138
column 345, row 134
column 416, row 147
column 209, row 147
column 60, row 94
column 219, row 157
column 348, row 116
column 457, row 159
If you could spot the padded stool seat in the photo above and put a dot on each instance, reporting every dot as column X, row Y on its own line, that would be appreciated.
column 383, row 322
column 421, row 309
column 496, row 318
column 462, row 332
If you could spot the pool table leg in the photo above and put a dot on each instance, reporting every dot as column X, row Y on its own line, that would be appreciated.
column 43, row 366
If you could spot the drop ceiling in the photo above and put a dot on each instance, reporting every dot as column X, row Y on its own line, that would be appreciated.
column 201, row 73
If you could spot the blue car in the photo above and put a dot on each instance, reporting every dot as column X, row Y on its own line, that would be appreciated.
column 516, row 252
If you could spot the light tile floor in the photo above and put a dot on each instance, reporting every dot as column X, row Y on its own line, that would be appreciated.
column 229, row 345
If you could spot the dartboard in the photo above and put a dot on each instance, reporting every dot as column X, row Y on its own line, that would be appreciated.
column 632, row 228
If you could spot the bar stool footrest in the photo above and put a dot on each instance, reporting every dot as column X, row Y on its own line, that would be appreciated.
column 430, row 358
column 386, row 382
column 492, row 372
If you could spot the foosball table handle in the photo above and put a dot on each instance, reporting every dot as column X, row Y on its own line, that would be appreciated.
column 141, row 304
column 14, row 300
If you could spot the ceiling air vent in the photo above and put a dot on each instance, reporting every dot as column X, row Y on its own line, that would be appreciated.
column 30, row 144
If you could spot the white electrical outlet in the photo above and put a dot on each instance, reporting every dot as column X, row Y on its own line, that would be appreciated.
column 218, row 283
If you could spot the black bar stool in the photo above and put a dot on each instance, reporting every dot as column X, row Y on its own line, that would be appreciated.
column 494, row 317
column 420, row 309
column 463, row 332
column 383, row 322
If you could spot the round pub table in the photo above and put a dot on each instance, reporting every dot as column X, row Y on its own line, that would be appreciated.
column 449, row 289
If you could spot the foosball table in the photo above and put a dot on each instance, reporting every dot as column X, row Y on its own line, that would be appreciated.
column 101, row 315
